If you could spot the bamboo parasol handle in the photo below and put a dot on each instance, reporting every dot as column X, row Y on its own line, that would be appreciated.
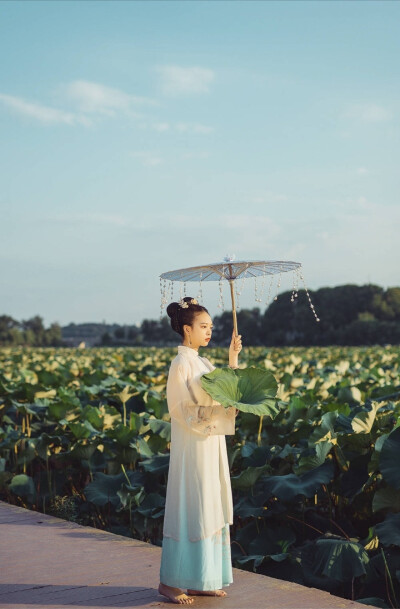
column 233, row 307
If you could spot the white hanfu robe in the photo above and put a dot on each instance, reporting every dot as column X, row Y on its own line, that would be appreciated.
column 198, row 509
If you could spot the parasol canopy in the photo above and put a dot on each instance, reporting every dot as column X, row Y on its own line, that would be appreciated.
column 231, row 271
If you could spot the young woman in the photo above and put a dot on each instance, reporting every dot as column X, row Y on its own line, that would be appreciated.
column 198, row 511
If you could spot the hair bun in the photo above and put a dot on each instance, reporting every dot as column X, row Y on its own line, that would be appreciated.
column 172, row 309
column 183, row 312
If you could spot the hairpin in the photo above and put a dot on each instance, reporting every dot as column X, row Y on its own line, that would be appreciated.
column 184, row 304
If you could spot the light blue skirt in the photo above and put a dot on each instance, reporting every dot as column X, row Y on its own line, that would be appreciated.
column 199, row 565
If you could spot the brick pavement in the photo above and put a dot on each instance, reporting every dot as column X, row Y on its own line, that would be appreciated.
column 49, row 563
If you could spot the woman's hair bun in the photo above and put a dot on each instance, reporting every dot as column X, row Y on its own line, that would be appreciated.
column 172, row 309
column 183, row 312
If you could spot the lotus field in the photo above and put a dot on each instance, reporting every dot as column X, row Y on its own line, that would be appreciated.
column 84, row 435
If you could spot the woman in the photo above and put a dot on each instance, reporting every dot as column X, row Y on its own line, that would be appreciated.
column 198, row 510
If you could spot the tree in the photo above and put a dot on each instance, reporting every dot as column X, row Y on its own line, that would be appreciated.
column 106, row 339
column 119, row 333
column 7, row 324
column 53, row 335
column 35, row 324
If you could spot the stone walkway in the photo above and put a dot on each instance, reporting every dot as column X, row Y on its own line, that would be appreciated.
column 47, row 563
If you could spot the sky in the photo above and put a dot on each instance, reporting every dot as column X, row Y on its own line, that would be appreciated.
column 142, row 137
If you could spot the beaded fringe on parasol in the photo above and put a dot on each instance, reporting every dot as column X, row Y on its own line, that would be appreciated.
column 235, row 272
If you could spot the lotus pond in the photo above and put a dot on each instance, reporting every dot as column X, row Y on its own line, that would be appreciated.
column 84, row 435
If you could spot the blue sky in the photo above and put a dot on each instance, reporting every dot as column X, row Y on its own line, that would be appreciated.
column 141, row 137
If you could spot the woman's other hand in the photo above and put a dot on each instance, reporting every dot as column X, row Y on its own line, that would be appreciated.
column 234, row 349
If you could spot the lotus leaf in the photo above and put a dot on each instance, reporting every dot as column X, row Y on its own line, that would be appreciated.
column 249, row 390
column 349, row 394
column 388, row 531
column 58, row 410
column 339, row 559
column 248, row 506
column 161, row 428
column 373, row 601
column 272, row 540
column 363, row 421
column 257, row 456
column 23, row 486
column 82, row 430
column 157, row 464
column 27, row 454
column 310, row 462
column 122, row 435
column 328, row 452
column 247, row 478
column 127, row 493
column 43, row 443
column 287, row 487
column 258, row 559
column 82, row 451
column 380, row 442
column 104, row 488
column 93, row 416
column 389, row 459
column 144, row 449
column 386, row 499
column 354, row 479
column 152, row 506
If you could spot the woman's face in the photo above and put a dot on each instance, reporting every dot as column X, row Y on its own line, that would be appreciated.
column 200, row 331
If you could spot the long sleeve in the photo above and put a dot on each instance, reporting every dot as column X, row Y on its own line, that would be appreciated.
column 193, row 407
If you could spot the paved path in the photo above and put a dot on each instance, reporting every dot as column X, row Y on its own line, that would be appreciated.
column 47, row 563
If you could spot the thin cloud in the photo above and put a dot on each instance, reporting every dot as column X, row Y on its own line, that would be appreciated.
column 95, row 98
column 195, row 155
column 148, row 159
column 176, row 80
column 162, row 127
column 264, row 197
column 238, row 224
column 94, row 101
column 85, row 219
column 242, row 224
column 193, row 128
column 41, row 113
column 368, row 113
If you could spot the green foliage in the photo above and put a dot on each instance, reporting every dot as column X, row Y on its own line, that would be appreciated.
column 338, row 559
column 350, row 315
column 389, row 459
column 388, row 531
column 249, row 390
column 22, row 486
column 30, row 332
column 287, row 487
column 316, row 488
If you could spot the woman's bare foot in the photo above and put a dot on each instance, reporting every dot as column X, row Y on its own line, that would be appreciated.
column 176, row 595
column 207, row 592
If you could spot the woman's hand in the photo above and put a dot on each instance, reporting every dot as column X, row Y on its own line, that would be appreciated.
column 234, row 349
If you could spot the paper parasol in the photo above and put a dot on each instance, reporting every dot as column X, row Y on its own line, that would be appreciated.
column 231, row 270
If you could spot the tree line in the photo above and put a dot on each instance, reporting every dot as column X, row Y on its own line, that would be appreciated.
column 349, row 315
column 29, row 332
